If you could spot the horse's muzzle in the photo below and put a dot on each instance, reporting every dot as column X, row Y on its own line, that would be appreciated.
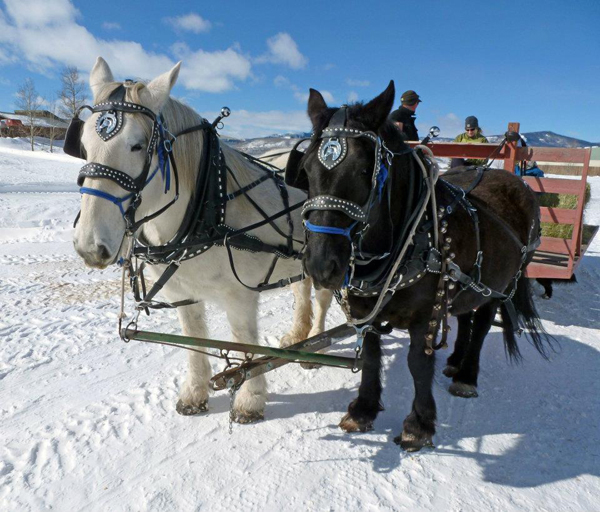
column 95, row 256
column 326, row 262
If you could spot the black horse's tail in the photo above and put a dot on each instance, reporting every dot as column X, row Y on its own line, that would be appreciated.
column 529, row 320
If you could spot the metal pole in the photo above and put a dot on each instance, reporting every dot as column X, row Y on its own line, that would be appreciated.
column 246, row 348
column 256, row 367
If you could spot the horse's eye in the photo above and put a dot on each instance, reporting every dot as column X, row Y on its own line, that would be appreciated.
column 137, row 147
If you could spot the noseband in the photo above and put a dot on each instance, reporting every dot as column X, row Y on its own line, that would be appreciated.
column 108, row 125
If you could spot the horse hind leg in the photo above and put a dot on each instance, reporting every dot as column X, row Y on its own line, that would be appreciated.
column 193, row 395
column 464, row 382
column 463, row 336
column 301, row 323
column 363, row 410
column 322, row 303
column 419, row 426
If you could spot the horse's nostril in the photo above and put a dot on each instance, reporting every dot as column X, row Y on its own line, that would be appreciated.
column 103, row 252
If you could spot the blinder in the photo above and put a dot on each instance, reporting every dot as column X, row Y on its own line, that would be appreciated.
column 295, row 176
column 72, row 146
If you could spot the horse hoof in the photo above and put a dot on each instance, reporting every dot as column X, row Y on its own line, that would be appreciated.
column 191, row 410
column 310, row 366
column 248, row 417
column 412, row 443
column 463, row 390
column 349, row 424
column 450, row 371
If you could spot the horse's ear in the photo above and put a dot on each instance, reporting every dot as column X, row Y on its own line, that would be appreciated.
column 376, row 111
column 100, row 75
column 156, row 93
column 316, row 106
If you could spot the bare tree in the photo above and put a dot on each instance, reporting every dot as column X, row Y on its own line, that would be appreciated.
column 29, row 101
column 73, row 91
column 55, row 108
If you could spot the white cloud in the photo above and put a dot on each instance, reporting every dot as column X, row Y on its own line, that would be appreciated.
column 303, row 97
column 40, row 13
column 357, row 83
column 40, row 40
column 191, row 22
column 281, row 81
column 283, row 50
column 450, row 125
column 352, row 97
column 211, row 71
column 107, row 25
column 246, row 124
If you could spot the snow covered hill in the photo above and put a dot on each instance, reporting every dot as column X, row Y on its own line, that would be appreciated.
column 260, row 145
column 88, row 423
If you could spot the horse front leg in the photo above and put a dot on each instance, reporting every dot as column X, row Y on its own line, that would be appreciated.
column 193, row 396
column 419, row 425
column 242, row 309
column 363, row 410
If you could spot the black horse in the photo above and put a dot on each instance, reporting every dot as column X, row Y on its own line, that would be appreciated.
column 374, row 233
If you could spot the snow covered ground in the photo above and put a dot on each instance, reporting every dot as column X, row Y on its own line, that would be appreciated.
column 89, row 423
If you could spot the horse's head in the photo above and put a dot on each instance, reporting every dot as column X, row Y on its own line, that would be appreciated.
column 341, row 171
column 119, row 141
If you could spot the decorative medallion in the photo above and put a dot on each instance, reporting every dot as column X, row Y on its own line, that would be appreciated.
column 332, row 151
column 109, row 123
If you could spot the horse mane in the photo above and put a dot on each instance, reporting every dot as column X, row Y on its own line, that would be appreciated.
column 179, row 116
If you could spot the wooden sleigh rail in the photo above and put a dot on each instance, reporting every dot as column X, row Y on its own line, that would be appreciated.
column 556, row 258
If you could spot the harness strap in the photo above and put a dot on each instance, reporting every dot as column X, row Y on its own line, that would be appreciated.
column 264, row 286
column 150, row 252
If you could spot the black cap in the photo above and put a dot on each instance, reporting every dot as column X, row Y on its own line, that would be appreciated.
column 471, row 122
column 410, row 98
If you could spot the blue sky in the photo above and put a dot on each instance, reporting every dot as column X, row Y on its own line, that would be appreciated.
column 535, row 62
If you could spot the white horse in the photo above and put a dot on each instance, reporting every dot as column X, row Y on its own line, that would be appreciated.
column 100, row 233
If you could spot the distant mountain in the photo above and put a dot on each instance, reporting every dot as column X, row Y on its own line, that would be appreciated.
column 284, row 142
column 259, row 145
column 545, row 139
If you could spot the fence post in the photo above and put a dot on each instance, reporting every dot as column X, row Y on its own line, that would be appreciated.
column 511, row 149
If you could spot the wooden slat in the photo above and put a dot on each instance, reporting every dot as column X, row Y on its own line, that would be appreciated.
column 558, row 215
column 554, row 185
column 557, row 245
column 538, row 270
column 511, row 149
column 570, row 155
column 456, row 150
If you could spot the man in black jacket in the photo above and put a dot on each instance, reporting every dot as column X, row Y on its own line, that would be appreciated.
column 404, row 117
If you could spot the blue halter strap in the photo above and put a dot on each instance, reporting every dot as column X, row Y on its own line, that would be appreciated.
column 120, row 200
column 329, row 230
